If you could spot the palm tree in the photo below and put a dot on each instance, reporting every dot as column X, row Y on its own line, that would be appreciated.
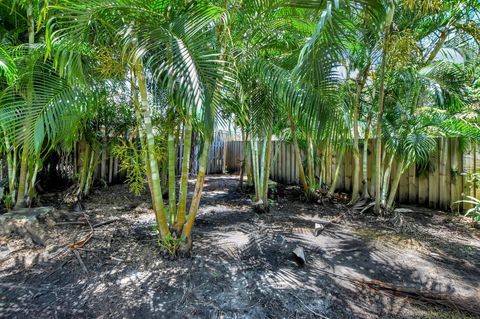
column 167, row 48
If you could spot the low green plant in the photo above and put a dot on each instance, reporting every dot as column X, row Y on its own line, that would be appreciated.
column 131, row 162
column 473, row 179
column 169, row 244
column 473, row 212
column 8, row 201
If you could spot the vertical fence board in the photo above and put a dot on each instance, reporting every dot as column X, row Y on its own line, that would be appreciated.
column 433, row 181
column 423, row 180
column 292, row 163
column 282, row 159
column 467, row 167
column 341, row 178
column 412, row 184
column 476, row 165
column 442, row 168
column 456, row 179
column 333, row 166
column 447, row 198
column 403, row 187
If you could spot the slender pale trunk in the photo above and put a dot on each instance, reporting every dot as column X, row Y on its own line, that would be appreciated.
column 310, row 162
column 22, row 181
column 141, row 134
column 360, row 82
column 381, row 97
column 378, row 141
column 182, row 197
column 197, row 193
column 172, row 158
column 33, row 180
column 396, row 181
column 386, row 181
column 298, row 157
column 261, row 167
column 242, row 164
column 268, row 151
column 12, row 172
column 337, row 172
column 103, row 163
column 365, row 193
column 249, row 162
column 90, row 171
column 12, row 168
column 84, row 158
column 156, row 189
column 321, row 161
column 255, row 168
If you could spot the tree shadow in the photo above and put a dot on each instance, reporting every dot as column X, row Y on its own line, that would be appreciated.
column 241, row 267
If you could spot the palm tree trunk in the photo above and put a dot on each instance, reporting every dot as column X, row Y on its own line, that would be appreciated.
column 156, row 189
column 255, row 168
column 249, row 162
column 11, row 168
column 268, row 151
column 378, row 141
column 90, row 171
column 301, row 172
column 242, row 165
column 33, row 180
column 172, row 196
column 321, row 164
column 360, row 82
column 22, row 181
column 365, row 193
column 310, row 162
column 84, row 158
column 197, row 193
column 103, row 163
column 337, row 172
column 396, row 181
column 386, row 181
column 141, row 134
column 381, row 97
column 182, row 200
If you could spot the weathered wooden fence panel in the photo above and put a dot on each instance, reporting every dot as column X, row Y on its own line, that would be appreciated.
column 443, row 182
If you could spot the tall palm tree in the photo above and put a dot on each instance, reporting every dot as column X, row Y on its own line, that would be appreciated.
column 169, row 45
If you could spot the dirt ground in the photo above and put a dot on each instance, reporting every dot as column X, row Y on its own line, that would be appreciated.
column 241, row 265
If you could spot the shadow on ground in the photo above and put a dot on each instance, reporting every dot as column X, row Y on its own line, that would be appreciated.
column 241, row 266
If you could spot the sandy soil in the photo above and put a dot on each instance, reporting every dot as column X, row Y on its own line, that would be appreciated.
column 242, row 265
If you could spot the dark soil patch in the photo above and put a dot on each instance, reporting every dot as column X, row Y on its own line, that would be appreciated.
column 242, row 265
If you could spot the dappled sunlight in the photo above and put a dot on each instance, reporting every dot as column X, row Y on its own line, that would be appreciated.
column 242, row 265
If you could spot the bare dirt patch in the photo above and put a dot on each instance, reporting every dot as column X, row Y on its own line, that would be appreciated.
column 242, row 265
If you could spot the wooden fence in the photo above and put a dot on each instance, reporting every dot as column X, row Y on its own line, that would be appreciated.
column 446, row 180
column 108, row 167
